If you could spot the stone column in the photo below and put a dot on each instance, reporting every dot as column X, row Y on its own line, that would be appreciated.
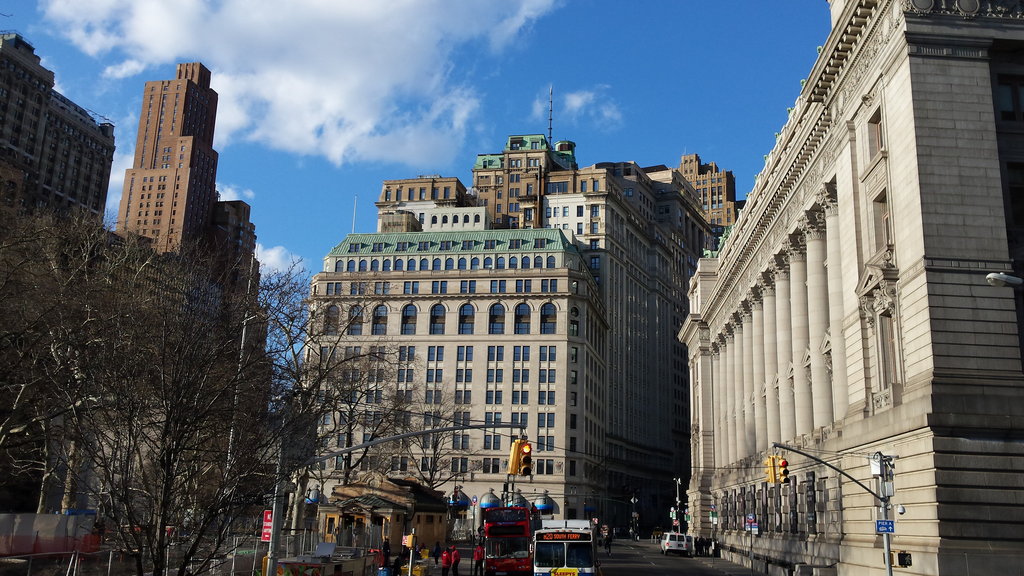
column 757, row 355
column 784, row 321
column 729, row 383
column 718, row 407
column 771, row 359
column 817, row 319
column 834, row 268
column 749, row 417
column 798, row 297
column 739, row 398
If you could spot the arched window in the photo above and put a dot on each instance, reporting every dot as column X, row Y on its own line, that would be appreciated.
column 411, row 265
column 449, row 263
column 408, row 320
column 548, row 322
column 444, row 219
column 496, row 320
column 499, row 263
column 331, row 318
column 339, row 265
column 362, row 265
column 399, row 264
column 522, row 319
column 437, row 319
column 425, row 265
column 476, row 218
column 374, row 265
column 474, row 264
column 435, row 264
column 467, row 316
column 433, row 219
column 526, row 262
column 538, row 262
column 513, row 262
column 488, row 263
column 551, row 261
column 462, row 263
column 465, row 218
column 355, row 321
column 351, row 266
column 386, row 266
column 380, row 320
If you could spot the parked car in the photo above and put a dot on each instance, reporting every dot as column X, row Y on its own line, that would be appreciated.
column 677, row 543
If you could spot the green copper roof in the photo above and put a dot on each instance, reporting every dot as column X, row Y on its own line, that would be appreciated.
column 519, row 240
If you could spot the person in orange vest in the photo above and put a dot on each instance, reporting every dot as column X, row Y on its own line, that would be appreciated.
column 478, row 560
column 446, row 562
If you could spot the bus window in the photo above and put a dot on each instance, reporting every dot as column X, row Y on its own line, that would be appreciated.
column 549, row 555
column 579, row 555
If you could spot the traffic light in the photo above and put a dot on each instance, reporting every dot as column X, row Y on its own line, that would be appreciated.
column 769, row 469
column 513, row 456
column 782, row 473
column 525, row 460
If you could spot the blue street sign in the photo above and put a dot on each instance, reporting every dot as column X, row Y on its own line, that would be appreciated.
column 885, row 526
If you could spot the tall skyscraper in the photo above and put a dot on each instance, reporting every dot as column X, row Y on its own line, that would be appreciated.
column 53, row 152
column 170, row 191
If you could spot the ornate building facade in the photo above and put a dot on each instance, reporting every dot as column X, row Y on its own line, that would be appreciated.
column 847, row 316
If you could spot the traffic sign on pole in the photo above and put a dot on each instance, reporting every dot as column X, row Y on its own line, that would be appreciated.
column 268, row 525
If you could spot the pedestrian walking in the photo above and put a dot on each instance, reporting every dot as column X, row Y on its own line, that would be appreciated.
column 446, row 562
column 608, row 544
column 386, row 550
column 437, row 552
column 478, row 560
column 456, row 558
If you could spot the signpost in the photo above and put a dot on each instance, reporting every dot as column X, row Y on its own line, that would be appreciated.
column 885, row 526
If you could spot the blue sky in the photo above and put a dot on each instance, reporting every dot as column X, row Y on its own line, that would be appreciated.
column 322, row 100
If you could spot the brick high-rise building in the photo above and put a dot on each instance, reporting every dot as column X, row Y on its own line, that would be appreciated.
column 716, row 190
column 53, row 152
column 170, row 191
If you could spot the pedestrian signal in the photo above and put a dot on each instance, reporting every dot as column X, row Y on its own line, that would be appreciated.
column 782, row 475
column 769, row 469
column 525, row 458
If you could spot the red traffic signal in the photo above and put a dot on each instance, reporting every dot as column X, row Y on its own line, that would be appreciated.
column 783, row 471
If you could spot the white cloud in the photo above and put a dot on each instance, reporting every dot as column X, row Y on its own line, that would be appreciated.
column 343, row 80
column 593, row 106
column 229, row 192
column 275, row 258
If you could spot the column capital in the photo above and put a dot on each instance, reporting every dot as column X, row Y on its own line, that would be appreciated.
column 813, row 225
column 827, row 198
column 797, row 246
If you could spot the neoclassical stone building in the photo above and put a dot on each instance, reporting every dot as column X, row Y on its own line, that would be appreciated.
column 847, row 314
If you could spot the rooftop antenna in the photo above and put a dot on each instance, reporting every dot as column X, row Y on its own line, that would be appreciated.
column 355, row 199
column 551, row 108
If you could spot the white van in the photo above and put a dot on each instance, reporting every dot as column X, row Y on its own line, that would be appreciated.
column 676, row 542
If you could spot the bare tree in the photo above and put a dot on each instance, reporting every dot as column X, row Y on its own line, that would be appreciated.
column 441, row 457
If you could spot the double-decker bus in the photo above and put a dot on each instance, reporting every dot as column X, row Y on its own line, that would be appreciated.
column 508, row 533
column 565, row 548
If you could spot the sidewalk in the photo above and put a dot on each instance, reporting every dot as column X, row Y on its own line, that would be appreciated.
column 722, row 565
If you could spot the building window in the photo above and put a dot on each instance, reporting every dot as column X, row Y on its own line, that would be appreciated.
column 1008, row 98
column 496, row 320
column 380, row 320
column 548, row 321
column 409, row 320
column 874, row 135
column 467, row 315
column 522, row 318
column 331, row 319
column 437, row 314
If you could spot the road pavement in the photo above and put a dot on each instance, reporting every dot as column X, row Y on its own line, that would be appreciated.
column 630, row 558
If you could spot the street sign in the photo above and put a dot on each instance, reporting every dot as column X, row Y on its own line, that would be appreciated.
column 268, row 525
column 885, row 526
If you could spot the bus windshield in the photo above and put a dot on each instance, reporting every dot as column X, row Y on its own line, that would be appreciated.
column 507, row 547
column 561, row 554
